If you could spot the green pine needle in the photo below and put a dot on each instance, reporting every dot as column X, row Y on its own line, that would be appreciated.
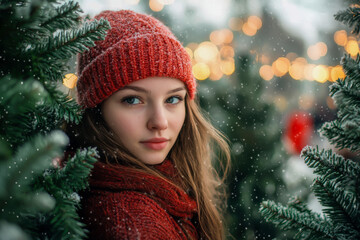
column 350, row 17
column 62, row 184
column 63, row 17
column 329, row 165
column 309, row 224
column 341, row 206
column 61, row 105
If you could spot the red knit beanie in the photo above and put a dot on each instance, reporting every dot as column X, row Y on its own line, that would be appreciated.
column 136, row 47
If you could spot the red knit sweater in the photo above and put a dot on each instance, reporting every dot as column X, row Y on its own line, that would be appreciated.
column 123, row 203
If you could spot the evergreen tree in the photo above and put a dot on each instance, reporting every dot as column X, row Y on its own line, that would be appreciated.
column 252, row 126
column 337, row 185
column 38, row 199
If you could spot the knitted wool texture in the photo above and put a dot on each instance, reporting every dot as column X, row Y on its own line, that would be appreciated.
column 123, row 203
column 137, row 46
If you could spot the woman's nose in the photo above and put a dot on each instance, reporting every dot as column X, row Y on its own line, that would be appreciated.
column 157, row 119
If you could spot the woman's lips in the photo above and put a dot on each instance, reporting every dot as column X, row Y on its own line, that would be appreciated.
column 156, row 143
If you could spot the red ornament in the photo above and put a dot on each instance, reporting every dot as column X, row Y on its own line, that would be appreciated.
column 298, row 131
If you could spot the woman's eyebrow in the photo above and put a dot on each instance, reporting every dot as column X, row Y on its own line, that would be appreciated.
column 140, row 89
column 177, row 89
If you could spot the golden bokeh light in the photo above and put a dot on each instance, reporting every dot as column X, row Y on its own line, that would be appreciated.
column 336, row 73
column 266, row 72
column 155, row 5
column 281, row 66
column 70, row 80
column 296, row 70
column 322, row 47
column 235, row 24
column 352, row 47
column 206, row 52
column 300, row 60
column 313, row 52
column 228, row 35
column 321, row 73
column 215, row 72
column 255, row 21
column 249, row 29
column 219, row 37
column 216, row 37
column 317, row 51
column 340, row 37
column 189, row 51
column 201, row 71
column 308, row 72
column 227, row 52
column 227, row 66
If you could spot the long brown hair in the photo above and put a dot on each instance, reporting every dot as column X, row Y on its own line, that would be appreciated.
column 193, row 154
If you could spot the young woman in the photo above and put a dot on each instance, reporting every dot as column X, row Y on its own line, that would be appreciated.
column 154, row 178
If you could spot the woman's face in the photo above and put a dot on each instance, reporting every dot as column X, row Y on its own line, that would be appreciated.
column 147, row 116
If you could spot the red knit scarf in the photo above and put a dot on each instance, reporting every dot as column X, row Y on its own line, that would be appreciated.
column 174, row 200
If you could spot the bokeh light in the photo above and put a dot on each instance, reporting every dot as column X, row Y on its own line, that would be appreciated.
column 215, row 72
column 156, row 5
column 317, row 51
column 321, row 73
column 249, row 29
column 221, row 36
column 227, row 66
column 297, row 68
column 227, row 52
column 352, row 47
column 308, row 72
column 336, row 73
column 201, row 71
column 206, row 52
column 255, row 21
column 340, row 37
column 281, row 66
column 266, row 72
column 190, row 52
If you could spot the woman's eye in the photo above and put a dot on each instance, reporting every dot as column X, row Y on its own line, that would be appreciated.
column 131, row 100
column 174, row 100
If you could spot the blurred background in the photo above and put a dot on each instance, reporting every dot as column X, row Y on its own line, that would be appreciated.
column 263, row 68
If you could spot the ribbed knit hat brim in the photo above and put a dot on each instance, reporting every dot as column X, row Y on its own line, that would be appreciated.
column 145, row 53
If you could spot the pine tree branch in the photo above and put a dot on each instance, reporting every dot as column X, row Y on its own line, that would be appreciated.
column 63, row 185
column 61, row 105
column 17, row 173
column 58, row 49
column 65, row 43
column 33, row 157
column 350, row 17
column 17, row 101
column 342, row 135
column 330, row 166
column 310, row 225
column 65, row 16
column 352, row 72
column 65, row 222
column 340, row 206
